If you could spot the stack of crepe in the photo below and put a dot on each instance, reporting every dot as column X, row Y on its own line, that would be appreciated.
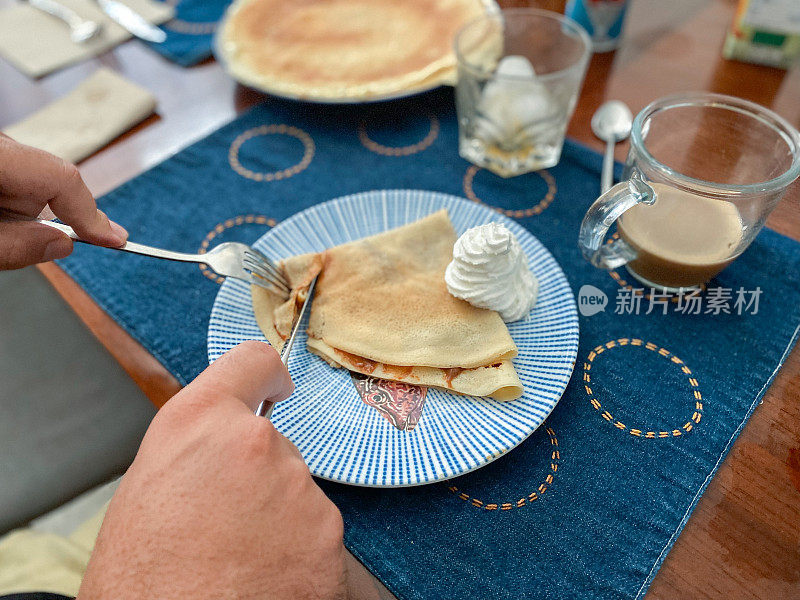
column 381, row 308
column 338, row 50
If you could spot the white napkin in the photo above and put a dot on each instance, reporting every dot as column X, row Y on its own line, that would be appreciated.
column 101, row 108
column 37, row 43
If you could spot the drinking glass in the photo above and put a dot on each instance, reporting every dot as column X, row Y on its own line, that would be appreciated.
column 703, row 173
column 519, row 75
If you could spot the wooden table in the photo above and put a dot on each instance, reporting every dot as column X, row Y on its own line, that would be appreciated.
column 743, row 540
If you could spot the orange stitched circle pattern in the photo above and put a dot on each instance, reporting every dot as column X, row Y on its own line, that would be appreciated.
column 227, row 224
column 469, row 176
column 696, row 396
column 402, row 150
column 555, row 457
column 308, row 145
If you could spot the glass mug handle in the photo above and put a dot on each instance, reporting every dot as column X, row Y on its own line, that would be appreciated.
column 602, row 214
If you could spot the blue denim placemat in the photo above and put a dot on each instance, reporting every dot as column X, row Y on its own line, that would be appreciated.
column 591, row 503
column 191, row 32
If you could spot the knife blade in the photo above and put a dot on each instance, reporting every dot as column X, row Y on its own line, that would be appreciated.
column 129, row 19
column 265, row 409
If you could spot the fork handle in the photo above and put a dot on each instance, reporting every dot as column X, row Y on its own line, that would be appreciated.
column 130, row 246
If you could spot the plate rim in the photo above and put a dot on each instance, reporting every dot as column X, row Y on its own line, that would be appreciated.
column 416, row 191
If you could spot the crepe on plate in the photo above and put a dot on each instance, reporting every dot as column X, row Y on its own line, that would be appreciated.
column 381, row 308
column 343, row 49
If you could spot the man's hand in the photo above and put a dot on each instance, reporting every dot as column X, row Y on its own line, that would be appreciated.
column 32, row 179
column 217, row 503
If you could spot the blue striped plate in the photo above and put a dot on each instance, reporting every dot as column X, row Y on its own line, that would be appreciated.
column 344, row 439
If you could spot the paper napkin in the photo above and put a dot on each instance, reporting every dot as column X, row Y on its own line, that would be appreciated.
column 101, row 108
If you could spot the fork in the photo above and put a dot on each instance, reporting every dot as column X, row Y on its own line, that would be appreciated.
column 230, row 259
column 80, row 29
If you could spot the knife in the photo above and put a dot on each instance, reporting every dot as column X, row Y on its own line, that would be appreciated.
column 129, row 19
column 265, row 408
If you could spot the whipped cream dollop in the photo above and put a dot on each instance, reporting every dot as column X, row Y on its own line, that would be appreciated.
column 490, row 270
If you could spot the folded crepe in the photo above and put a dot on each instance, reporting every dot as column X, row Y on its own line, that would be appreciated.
column 381, row 308
column 334, row 49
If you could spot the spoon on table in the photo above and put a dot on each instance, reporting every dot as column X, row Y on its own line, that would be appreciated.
column 81, row 30
column 612, row 124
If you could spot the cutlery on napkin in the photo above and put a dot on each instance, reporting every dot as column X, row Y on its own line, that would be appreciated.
column 101, row 108
column 130, row 20
column 37, row 43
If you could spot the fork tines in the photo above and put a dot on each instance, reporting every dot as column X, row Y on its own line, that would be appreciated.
column 263, row 271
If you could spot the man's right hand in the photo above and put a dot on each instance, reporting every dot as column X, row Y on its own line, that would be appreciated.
column 217, row 503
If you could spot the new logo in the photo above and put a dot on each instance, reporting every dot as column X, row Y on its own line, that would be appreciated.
column 591, row 300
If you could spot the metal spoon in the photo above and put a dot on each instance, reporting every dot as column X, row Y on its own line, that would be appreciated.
column 612, row 124
column 81, row 30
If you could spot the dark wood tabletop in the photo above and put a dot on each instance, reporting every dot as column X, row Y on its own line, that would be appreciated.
column 743, row 540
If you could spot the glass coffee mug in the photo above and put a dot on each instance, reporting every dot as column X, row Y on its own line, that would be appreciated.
column 703, row 173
